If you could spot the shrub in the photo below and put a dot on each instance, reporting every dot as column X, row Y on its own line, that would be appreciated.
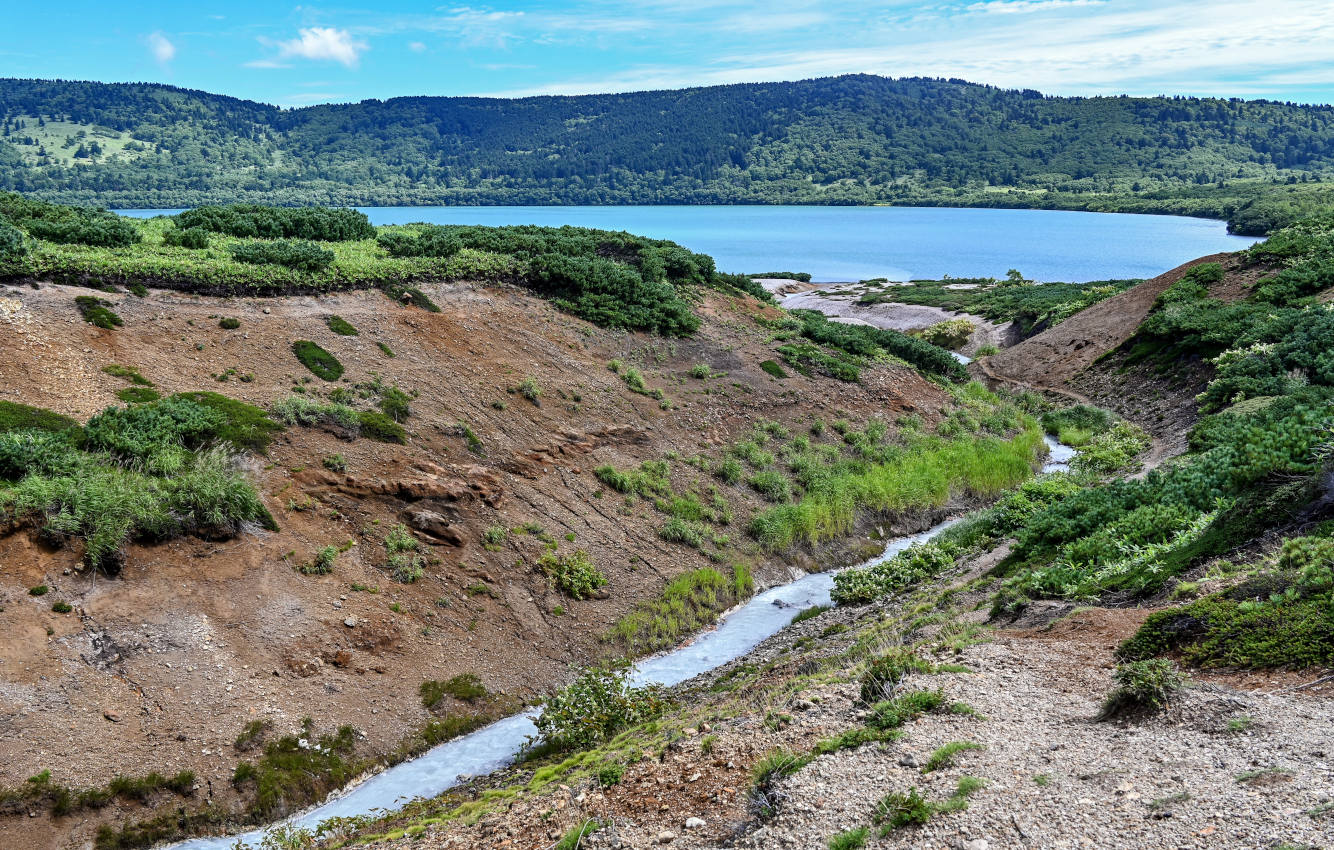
column 574, row 574
column 1142, row 686
column 341, row 326
column 700, row 371
column 128, row 373
column 79, row 226
column 395, row 404
column 301, row 256
column 323, row 224
column 917, row 563
column 35, row 452
column 229, row 323
column 529, row 389
column 194, row 238
column 951, row 333
column 158, row 436
column 598, row 704
column 245, row 426
column 321, row 563
column 300, row 410
column 62, row 607
column 335, row 463
column 297, row 769
column 12, row 243
column 386, row 350
column 317, row 360
column 97, row 312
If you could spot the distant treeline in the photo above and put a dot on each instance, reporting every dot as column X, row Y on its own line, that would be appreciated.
column 842, row 140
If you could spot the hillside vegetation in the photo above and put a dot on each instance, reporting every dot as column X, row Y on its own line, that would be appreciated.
column 851, row 139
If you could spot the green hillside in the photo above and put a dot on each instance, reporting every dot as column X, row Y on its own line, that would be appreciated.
column 841, row 140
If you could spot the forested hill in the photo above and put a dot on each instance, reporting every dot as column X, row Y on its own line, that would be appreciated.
column 851, row 139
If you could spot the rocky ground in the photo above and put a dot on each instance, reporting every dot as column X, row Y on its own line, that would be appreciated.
column 839, row 301
column 1235, row 762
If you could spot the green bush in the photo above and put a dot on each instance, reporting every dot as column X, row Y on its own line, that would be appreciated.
column 1142, row 686
column 229, row 323
column 772, row 485
column 317, row 360
column 598, row 704
column 243, row 425
column 81, row 226
column 35, row 452
column 918, row 563
column 574, row 574
column 322, row 224
column 301, row 256
column 194, row 238
column 158, row 436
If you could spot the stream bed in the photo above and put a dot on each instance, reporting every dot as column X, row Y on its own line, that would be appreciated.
column 495, row 746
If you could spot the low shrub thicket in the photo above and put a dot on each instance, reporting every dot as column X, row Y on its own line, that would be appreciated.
column 322, row 224
column 598, row 704
column 301, row 256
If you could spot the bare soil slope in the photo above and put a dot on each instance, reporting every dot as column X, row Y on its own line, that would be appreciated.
column 160, row 667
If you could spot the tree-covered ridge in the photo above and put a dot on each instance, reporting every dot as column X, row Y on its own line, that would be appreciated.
column 852, row 139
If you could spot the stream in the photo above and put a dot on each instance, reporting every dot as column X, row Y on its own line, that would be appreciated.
column 496, row 746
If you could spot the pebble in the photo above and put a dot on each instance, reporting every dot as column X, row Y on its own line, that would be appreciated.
column 694, row 823
column 666, row 836
column 350, row 622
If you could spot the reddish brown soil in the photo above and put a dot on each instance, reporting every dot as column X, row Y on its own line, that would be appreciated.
column 196, row 638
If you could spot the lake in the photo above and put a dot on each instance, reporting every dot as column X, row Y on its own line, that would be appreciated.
column 900, row 243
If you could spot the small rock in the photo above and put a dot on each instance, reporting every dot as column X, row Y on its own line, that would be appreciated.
column 266, row 311
column 976, row 844
column 113, row 716
column 666, row 836
column 694, row 823
column 350, row 622
column 907, row 761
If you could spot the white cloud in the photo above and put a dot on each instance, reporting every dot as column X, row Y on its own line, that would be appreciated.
column 1141, row 48
column 161, row 48
column 416, row 46
column 324, row 43
column 265, row 63
column 1021, row 7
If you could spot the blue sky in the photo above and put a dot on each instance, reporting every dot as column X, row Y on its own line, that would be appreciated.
column 297, row 55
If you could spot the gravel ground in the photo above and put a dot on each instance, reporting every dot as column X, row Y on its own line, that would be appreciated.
column 1169, row 782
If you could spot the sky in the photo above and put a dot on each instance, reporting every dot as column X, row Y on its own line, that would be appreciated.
column 299, row 55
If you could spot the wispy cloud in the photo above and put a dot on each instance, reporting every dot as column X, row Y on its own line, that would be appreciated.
column 319, row 44
column 1022, row 7
column 161, row 47
column 417, row 46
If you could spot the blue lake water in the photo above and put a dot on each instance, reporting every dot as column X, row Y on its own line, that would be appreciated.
column 900, row 243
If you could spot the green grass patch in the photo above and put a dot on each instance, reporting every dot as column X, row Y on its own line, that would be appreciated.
column 341, row 326
column 320, row 362
column 689, row 603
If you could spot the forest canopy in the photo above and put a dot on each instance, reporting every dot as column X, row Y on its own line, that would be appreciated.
column 841, row 140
